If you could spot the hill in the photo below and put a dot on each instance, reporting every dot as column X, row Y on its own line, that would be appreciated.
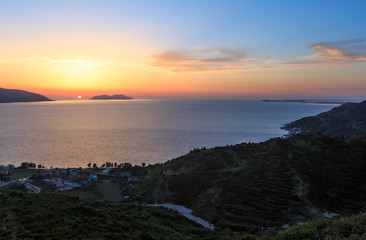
column 114, row 97
column 254, row 186
column 12, row 95
column 347, row 121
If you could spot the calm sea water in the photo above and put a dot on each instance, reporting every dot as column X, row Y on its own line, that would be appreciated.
column 74, row 133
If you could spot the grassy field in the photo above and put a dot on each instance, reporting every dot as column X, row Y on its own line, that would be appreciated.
column 110, row 191
column 98, row 191
column 88, row 192
column 25, row 173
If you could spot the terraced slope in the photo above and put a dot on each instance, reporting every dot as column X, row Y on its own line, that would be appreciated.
column 280, row 181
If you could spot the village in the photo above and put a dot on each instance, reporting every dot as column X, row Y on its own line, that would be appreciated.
column 110, row 182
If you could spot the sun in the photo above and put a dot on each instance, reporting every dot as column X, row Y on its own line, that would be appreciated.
column 80, row 97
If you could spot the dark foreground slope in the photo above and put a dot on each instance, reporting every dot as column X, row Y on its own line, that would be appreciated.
column 347, row 121
column 12, row 95
column 281, row 181
column 51, row 216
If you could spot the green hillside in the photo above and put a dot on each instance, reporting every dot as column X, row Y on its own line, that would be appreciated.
column 250, row 187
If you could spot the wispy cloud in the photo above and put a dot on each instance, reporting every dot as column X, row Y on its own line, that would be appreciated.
column 206, row 59
column 335, row 52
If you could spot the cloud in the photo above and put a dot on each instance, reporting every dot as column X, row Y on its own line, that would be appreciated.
column 205, row 59
column 341, row 51
column 335, row 52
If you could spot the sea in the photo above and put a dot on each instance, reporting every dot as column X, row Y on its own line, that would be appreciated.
column 74, row 133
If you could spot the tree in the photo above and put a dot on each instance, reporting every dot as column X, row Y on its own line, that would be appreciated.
column 127, row 166
column 95, row 165
column 89, row 165
column 24, row 165
column 143, row 164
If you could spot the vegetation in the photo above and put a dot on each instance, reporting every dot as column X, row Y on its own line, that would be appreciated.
column 51, row 216
column 352, row 228
column 251, row 187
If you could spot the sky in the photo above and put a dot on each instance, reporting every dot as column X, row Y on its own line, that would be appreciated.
column 191, row 49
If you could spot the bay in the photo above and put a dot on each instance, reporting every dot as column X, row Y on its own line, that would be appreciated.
column 75, row 133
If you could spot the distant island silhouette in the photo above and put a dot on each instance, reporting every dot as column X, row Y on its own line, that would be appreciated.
column 304, row 101
column 14, row 95
column 114, row 97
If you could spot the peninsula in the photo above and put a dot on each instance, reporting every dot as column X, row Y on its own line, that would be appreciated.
column 13, row 95
column 114, row 97
column 347, row 121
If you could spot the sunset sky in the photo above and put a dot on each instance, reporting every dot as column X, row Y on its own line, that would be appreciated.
column 201, row 49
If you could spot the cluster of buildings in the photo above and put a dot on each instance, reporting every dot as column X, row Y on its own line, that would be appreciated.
column 293, row 132
column 64, row 179
column 5, row 169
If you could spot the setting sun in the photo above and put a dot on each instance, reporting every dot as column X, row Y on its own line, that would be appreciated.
column 80, row 97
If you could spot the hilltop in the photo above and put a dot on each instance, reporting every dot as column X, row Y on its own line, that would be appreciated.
column 114, row 97
column 13, row 95
column 347, row 121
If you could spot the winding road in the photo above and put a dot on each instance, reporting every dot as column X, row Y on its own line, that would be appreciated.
column 185, row 212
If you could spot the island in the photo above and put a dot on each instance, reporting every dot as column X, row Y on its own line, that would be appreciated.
column 114, row 97
column 305, row 101
column 13, row 95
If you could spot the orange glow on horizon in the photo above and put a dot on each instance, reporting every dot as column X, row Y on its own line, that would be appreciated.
column 69, row 77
